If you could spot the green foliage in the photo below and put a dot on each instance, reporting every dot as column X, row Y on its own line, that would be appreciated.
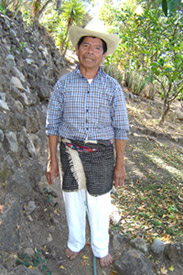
column 58, row 23
column 134, row 81
column 36, row 261
column 73, row 11
column 170, row 6
column 114, row 71
column 151, row 44
column 2, row 9
column 27, row 17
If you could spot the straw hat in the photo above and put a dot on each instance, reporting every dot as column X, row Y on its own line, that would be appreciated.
column 94, row 28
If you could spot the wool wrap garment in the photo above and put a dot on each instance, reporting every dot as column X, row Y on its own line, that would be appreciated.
column 87, row 165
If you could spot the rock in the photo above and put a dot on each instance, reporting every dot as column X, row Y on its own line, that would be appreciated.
column 30, row 207
column 3, row 270
column 17, row 83
column 32, row 120
column 3, row 96
column 133, row 262
column 30, row 252
column 36, row 141
column 11, row 142
column 29, row 61
column 18, row 74
column 3, row 105
column 27, row 99
column 29, row 51
column 10, row 59
column 157, row 247
column 30, row 147
column 174, row 252
column 1, row 135
column 119, row 242
column 19, row 106
column 139, row 243
column 50, row 238
column 9, row 235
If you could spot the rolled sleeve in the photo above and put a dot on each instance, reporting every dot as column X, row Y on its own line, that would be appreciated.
column 120, row 116
column 54, row 111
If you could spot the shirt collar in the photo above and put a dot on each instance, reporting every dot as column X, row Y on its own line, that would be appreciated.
column 100, row 72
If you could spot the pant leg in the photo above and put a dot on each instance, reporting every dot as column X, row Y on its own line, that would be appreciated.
column 99, row 211
column 76, row 218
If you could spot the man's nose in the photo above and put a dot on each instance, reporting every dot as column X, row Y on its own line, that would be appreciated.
column 91, row 50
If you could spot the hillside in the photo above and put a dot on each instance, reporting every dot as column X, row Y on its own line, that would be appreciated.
column 33, row 229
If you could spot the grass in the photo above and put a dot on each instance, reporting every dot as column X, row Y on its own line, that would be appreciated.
column 151, row 202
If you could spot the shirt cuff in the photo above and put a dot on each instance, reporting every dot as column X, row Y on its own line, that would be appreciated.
column 121, row 134
column 52, row 132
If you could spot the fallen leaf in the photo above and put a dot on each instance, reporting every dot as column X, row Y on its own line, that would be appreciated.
column 85, row 257
column 31, row 267
column 164, row 271
column 61, row 267
column 171, row 268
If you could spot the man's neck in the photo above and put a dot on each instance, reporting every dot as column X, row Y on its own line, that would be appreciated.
column 88, row 73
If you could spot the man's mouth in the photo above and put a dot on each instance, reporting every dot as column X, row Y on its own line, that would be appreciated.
column 88, row 59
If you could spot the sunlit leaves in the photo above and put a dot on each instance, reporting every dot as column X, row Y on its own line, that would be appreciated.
column 151, row 206
column 170, row 5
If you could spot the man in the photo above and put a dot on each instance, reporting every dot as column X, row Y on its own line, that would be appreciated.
column 87, row 111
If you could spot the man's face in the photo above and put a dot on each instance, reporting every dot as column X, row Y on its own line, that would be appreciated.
column 90, row 52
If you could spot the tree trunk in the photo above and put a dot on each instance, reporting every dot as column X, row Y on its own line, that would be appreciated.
column 58, row 7
column 64, row 43
column 35, row 11
column 166, row 109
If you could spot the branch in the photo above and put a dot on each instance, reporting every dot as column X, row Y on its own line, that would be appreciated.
column 44, row 7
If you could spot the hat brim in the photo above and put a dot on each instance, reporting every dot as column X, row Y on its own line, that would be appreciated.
column 112, row 40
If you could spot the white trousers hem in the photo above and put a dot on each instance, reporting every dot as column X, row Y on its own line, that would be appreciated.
column 98, row 209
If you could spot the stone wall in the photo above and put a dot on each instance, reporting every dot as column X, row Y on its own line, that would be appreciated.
column 29, row 67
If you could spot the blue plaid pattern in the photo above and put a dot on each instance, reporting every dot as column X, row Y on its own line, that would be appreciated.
column 79, row 110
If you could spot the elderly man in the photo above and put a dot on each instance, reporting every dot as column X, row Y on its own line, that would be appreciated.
column 87, row 113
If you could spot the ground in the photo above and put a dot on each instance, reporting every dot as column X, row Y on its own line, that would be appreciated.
column 150, row 203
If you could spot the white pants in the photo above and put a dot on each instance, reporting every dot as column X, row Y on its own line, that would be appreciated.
column 98, row 212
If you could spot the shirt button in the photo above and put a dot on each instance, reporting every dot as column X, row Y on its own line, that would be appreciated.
column 87, row 129
column 88, row 92
column 87, row 110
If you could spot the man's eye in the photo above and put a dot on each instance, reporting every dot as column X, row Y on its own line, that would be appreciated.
column 98, row 48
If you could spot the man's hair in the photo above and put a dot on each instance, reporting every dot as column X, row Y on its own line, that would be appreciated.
column 104, row 44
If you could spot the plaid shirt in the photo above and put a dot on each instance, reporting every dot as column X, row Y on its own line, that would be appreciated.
column 82, row 111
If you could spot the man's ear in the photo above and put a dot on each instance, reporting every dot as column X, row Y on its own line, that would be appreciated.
column 104, row 56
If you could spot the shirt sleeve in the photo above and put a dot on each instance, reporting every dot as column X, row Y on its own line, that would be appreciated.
column 55, row 110
column 120, row 116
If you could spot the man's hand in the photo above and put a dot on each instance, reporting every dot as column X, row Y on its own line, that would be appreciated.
column 119, row 175
column 52, row 171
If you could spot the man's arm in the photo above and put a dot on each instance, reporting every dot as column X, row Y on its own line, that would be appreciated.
column 119, row 170
column 52, row 167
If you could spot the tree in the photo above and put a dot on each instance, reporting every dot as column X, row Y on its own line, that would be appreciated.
column 37, row 9
column 73, row 13
column 170, row 6
column 151, row 44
